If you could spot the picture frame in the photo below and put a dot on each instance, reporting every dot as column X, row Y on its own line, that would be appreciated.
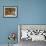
column 10, row 11
column 37, row 29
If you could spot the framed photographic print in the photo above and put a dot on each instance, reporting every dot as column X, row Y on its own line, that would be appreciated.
column 10, row 11
column 33, row 32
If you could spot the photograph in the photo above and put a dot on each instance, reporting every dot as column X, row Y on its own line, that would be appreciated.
column 10, row 11
column 32, row 32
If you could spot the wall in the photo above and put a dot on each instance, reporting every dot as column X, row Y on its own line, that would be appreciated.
column 32, row 11
column 7, row 25
column 29, row 12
